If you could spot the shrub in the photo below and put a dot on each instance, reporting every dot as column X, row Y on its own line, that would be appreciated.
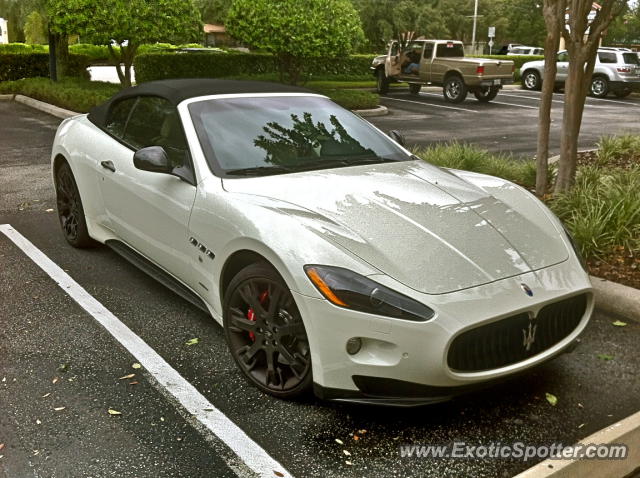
column 618, row 149
column 158, row 66
column 518, row 61
column 95, row 53
column 351, row 99
column 14, row 66
column 470, row 158
column 71, row 93
column 15, row 48
column 602, row 211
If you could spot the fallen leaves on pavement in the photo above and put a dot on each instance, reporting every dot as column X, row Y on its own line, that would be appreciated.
column 114, row 412
column 552, row 399
column 193, row 341
column 619, row 323
column 136, row 365
column 126, row 377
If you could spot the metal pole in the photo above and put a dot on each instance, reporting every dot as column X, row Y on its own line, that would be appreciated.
column 473, row 35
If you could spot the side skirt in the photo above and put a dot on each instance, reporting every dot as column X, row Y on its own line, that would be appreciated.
column 157, row 273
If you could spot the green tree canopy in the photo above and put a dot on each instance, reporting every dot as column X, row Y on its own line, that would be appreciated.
column 127, row 23
column 35, row 29
column 296, row 29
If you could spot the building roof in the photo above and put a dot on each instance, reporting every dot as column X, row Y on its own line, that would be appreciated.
column 178, row 90
column 214, row 28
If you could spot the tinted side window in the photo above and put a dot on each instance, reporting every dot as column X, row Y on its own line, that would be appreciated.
column 428, row 51
column 118, row 115
column 155, row 122
column 607, row 57
column 564, row 56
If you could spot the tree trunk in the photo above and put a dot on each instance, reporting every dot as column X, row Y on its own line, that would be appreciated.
column 123, row 62
column 582, row 48
column 554, row 19
column 62, row 54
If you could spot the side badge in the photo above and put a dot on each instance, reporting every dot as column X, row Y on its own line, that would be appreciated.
column 527, row 290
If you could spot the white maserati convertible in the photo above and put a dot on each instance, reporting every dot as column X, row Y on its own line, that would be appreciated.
column 333, row 258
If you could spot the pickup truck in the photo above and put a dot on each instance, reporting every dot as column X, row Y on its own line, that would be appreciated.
column 441, row 63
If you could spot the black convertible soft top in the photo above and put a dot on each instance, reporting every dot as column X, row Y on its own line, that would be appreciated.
column 176, row 91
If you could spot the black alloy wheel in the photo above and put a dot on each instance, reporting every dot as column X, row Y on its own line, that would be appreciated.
column 486, row 93
column 454, row 89
column 265, row 332
column 70, row 210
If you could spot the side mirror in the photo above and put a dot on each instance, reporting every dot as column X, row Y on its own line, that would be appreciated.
column 153, row 159
column 397, row 136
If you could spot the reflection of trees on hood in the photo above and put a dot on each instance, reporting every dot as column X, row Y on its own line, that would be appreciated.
column 307, row 140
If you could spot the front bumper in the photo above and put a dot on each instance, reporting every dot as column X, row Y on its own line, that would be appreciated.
column 410, row 358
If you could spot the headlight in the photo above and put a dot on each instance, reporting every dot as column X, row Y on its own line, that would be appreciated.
column 345, row 288
column 576, row 249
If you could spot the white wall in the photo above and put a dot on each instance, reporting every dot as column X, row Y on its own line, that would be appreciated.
column 4, row 34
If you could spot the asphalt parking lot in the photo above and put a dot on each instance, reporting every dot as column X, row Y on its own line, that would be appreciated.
column 507, row 124
column 53, row 354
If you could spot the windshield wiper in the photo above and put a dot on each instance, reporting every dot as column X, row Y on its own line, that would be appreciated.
column 258, row 171
column 341, row 161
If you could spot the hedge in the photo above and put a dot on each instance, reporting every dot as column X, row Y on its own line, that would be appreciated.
column 14, row 66
column 518, row 61
column 157, row 66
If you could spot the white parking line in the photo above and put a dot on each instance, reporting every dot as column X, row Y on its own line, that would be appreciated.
column 431, row 104
column 620, row 102
column 537, row 98
column 495, row 102
column 167, row 378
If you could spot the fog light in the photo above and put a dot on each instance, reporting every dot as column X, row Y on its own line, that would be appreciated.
column 354, row 344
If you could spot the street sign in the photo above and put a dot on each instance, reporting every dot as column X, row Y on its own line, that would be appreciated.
column 490, row 43
column 492, row 32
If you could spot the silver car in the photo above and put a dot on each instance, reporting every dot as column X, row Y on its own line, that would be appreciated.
column 616, row 71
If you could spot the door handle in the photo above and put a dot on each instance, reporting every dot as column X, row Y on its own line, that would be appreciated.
column 108, row 165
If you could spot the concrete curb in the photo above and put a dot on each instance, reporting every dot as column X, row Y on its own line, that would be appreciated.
column 379, row 111
column 616, row 299
column 625, row 432
column 45, row 107
column 556, row 158
column 6, row 97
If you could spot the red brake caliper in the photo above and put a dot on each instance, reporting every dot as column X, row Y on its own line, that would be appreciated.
column 251, row 315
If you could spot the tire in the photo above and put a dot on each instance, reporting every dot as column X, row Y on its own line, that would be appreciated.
column 487, row 93
column 267, row 340
column 622, row 93
column 382, row 82
column 599, row 87
column 454, row 90
column 414, row 88
column 70, row 210
column 531, row 80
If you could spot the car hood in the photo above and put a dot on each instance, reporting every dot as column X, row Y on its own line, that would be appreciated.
column 425, row 227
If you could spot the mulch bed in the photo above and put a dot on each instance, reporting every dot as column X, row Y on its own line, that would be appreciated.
column 621, row 268
column 622, row 162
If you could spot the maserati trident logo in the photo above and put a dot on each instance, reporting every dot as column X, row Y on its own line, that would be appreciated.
column 529, row 336
column 527, row 290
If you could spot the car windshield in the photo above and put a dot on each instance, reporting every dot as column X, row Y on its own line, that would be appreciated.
column 256, row 136
column 630, row 59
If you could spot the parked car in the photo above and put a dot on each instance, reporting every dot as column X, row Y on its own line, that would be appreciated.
column 616, row 70
column 441, row 63
column 333, row 258
column 526, row 51
column 507, row 48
